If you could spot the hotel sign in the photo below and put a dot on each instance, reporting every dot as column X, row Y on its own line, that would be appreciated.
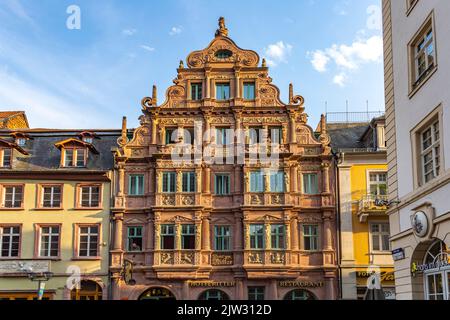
column 301, row 284
column 419, row 268
column 18, row 266
column 212, row 283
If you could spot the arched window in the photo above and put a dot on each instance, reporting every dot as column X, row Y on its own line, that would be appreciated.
column 437, row 272
column 88, row 290
column 157, row 294
column 299, row 295
column 213, row 295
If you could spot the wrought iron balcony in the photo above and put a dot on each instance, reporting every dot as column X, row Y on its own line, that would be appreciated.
column 368, row 206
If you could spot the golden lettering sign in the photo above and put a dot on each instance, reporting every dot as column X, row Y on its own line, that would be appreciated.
column 301, row 284
column 385, row 276
column 212, row 283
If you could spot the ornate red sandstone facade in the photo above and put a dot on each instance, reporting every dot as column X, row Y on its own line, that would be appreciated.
column 288, row 271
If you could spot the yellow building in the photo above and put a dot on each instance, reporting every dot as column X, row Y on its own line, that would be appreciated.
column 55, row 190
column 362, row 187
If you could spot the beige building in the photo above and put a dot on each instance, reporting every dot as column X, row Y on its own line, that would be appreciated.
column 54, row 213
column 417, row 75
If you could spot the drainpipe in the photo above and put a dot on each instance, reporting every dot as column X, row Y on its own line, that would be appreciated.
column 336, row 157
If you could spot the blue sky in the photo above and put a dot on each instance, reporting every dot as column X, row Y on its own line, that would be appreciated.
column 331, row 50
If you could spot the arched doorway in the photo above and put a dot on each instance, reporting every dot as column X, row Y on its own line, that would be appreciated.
column 213, row 294
column 88, row 290
column 299, row 294
column 436, row 272
column 157, row 293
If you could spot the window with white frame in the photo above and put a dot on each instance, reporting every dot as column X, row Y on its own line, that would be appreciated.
column 222, row 238
column 256, row 293
column 9, row 241
column 275, row 135
column 310, row 237
column 222, row 184
column 423, row 53
column 430, row 152
column 88, row 241
column 90, row 196
column 51, row 196
column 255, row 135
column 378, row 183
column 169, row 181
column 49, row 241
column 75, row 157
column 12, row 196
column 136, row 185
column 188, row 182
column 379, row 236
column 5, row 157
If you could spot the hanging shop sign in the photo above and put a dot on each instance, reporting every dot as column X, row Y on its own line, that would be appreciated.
column 301, row 284
column 384, row 276
column 419, row 223
column 212, row 283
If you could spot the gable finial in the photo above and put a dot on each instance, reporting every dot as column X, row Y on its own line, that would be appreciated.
column 155, row 96
column 264, row 63
column 222, row 31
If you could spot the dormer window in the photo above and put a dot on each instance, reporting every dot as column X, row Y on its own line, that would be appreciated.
column 5, row 157
column 88, row 139
column 21, row 142
column 75, row 157
column 74, row 153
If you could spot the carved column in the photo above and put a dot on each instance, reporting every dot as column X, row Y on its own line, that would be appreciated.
column 246, row 180
column 247, row 235
column 237, row 236
column 157, row 226
column 150, row 233
column 158, row 181
column 267, row 240
column 237, row 88
column 179, row 181
column 208, row 129
column 237, row 179
column 207, row 84
column 294, row 175
column 328, row 238
column 287, row 180
column 294, row 233
column 284, row 134
column 287, row 228
column 267, row 182
column 206, row 234
column 199, row 238
column 198, row 180
column 151, row 180
column 326, row 177
column 118, row 231
column 292, row 126
column 121, row 181
column 207, row 179
column 177, row 236
column 154, row 130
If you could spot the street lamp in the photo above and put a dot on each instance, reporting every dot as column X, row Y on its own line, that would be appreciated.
column 41, row 279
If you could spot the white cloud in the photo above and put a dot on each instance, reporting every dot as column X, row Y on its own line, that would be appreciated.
column 340, row 79
column 348, row 57
column 319, row 60
column 277, row 52
column 175, row 31
column 129, row 32
column 147, row 48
